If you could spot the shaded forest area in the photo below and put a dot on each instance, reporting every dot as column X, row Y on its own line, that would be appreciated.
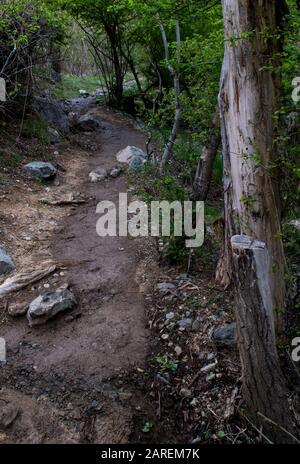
column 213, row 90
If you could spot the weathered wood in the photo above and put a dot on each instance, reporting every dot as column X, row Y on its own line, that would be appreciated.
column 264, row 388
column 23, row 279
column 206, row 161
column 248, row 100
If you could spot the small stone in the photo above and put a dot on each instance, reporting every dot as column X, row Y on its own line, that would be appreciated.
column 165, row 336
column 8, row 414
column 6, row 263
column 186, row 393
column 54, row 136
column 170, row 316
column 196, row 326
column 17, row 310
column 210, row 356
column 184, row 276
column 116, row 172
column 165, row 286
column 210, row 377
column 185, row 323
column 208, row 368
column 124, row 396
column 178, row 350
column 98, row 175
column 87, row 123
column 163, row 378
column 95, row 404
column 225, row 336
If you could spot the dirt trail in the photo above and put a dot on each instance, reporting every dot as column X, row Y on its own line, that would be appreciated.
column 65, row 377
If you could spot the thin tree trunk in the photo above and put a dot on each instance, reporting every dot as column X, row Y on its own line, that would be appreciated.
column 265, row 392
column 175, row 73
column 248, row 100
column 206, row 161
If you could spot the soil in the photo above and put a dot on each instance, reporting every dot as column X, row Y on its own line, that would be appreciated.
column 112, row 370
column 61, row 373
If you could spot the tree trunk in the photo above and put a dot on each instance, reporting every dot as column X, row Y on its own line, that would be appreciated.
column 175, row 73
column 248, row 100
column 264, row 388
column 206, row 161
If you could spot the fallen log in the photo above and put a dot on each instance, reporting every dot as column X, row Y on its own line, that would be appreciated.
column 23, row 279
column 65, row 200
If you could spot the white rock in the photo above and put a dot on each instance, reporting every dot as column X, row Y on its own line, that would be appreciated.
column 178, row 350
column 98, row 175
column 126, row 155
column 209, row 367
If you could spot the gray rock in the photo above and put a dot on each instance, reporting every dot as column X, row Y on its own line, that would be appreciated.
column 186, row 393
column 186, row 323
column 208, row 367
column 6, row 263
column 98, row 175
column 17, row 309
column 210, row 356
column 133, row 156
column 48, row 305
column 125, row 155
column 196, row 325
column 136, row 163
column 116, row 172
column 170, row 316
column 163, row 378
column 53, row 112
column 54, row 136
column 225, row 336
column 40, row 170
column 8, row 414
column 87, row 123
column 165, row 286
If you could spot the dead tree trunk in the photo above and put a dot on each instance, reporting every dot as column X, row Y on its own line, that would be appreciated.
column 265, row 392
column 248, row 100
column 206, row 161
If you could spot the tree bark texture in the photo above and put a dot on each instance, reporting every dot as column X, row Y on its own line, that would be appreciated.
column 248, row 99
column 265, row 392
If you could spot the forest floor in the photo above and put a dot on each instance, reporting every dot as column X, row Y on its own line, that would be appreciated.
column 116, row 369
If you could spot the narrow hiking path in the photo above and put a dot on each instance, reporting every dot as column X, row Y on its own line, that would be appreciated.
column 134, row 361
column 64, row 379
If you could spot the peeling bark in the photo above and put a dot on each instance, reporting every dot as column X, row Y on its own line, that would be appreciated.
column 264, row 389
column 248, row 99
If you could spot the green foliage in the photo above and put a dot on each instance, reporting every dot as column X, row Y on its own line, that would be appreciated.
column 147, row 427
column 69, row 86
column 166, row 363
column 29, row 31
column 37, row 128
